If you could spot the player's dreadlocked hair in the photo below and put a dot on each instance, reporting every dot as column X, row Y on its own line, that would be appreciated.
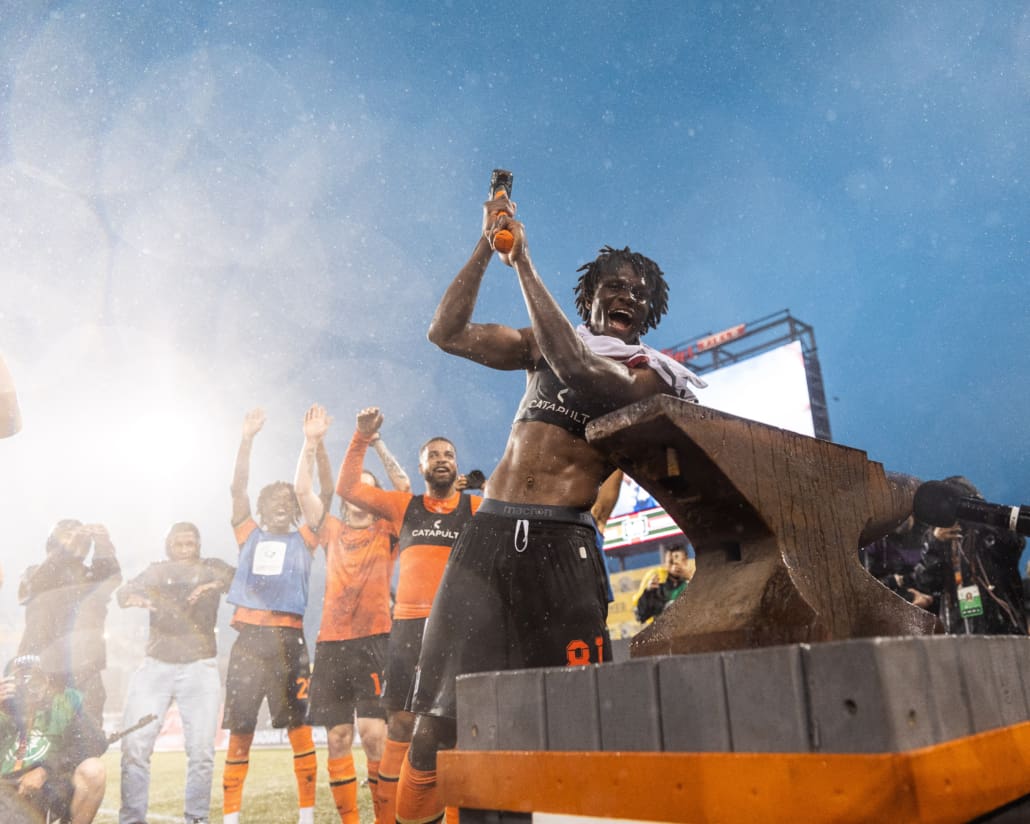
column 267, row 492
column 608, row 261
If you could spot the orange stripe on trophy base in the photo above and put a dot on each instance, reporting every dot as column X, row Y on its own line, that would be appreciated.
column 951, row 782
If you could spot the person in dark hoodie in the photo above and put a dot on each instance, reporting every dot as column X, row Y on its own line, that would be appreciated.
column 182, row 595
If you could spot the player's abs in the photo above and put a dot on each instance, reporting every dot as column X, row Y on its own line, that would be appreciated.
column 545, row 464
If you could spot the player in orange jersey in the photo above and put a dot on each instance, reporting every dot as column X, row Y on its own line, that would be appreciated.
column 430, row 523
column 351, row 651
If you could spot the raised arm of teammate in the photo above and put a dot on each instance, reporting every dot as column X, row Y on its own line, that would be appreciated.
column 394, row 471
column 326, row 490
column 252, row 423
column 349, row 486
column 316, row 424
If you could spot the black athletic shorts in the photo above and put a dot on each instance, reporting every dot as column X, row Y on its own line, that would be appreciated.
column 405, row 646
column 272, row 663
column 347, row 679
column 524, row 587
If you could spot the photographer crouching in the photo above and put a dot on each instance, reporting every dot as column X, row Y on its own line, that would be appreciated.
column 49, row 749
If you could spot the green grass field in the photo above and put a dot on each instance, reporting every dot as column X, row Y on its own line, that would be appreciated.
column 269, row 795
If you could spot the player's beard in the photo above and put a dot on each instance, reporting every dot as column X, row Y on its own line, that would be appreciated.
column 440, row 485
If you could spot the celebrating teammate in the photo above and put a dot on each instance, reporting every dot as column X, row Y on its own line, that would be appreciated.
column 269, row 658
column 430, row 523
column 350, row 654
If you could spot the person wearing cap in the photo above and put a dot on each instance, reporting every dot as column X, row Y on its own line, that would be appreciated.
column 65, row 599
column 182, row 596
column 49, row 748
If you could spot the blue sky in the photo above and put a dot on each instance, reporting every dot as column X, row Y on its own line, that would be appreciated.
column 208, row 207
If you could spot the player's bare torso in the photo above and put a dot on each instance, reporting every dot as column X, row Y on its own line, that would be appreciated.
column 545, row 464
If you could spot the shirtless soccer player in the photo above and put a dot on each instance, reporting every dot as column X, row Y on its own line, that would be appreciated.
column 529, row 551
column 430, row 523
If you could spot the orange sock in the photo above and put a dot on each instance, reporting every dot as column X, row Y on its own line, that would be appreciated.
column 394, row 755
column 235, row 773
column 373, row 787
column 305, row 766
column 418, row 800
column 343, row 784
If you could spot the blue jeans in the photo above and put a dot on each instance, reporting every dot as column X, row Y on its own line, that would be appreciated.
column 197, row 690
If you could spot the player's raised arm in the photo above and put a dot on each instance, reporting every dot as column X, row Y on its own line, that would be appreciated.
column 452, row 329
column 316, row 424
column 326, row 489
column 394, row 471
column 252, row 423
column 349, row 484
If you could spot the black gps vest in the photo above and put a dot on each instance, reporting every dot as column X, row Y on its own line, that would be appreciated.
column 421, row 527
column 548, row 400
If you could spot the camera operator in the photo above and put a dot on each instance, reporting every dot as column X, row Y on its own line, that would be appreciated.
column 49, row 748
column 972, row 572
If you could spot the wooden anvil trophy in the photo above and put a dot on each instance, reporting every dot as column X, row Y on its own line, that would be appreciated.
column 776, row 520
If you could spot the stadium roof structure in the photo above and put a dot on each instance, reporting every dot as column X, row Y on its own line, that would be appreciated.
column 714, row 350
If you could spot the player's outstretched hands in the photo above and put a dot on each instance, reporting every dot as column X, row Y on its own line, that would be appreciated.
column 316, row 423
column 253, row 421
column 369, row 420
